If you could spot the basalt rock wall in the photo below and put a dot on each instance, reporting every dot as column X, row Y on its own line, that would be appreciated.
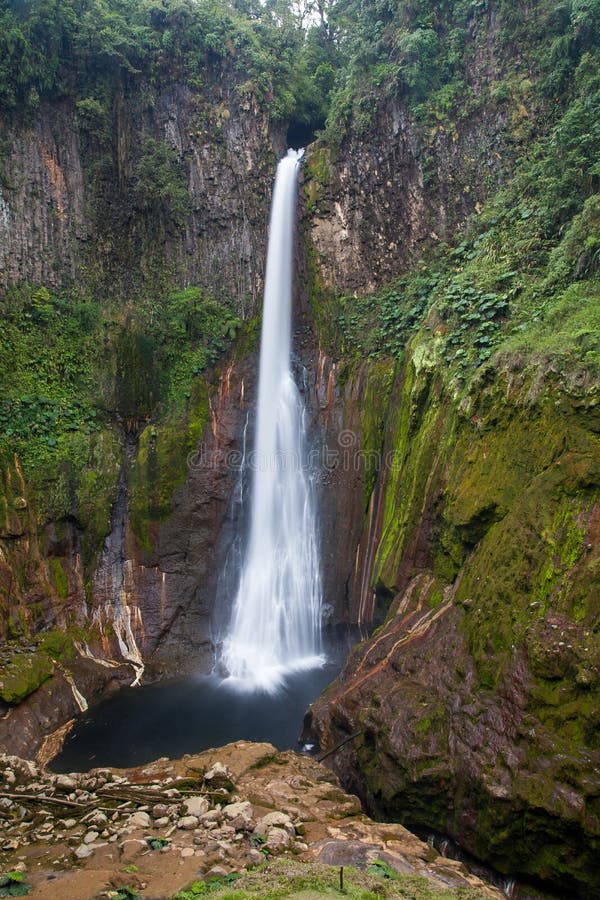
column 72, row 205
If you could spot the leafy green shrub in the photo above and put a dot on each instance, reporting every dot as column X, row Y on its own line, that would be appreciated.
column 382, row 869
column 158, row 843
column 13, row 884
column 126, row 893
column 383, row 322
column 94, row 119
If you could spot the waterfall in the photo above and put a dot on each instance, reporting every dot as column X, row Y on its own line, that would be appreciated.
column 276, row 616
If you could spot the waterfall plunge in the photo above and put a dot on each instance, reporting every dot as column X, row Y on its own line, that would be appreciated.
column 276, row 617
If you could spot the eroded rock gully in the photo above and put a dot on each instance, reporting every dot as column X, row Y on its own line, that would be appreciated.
column 164, row 825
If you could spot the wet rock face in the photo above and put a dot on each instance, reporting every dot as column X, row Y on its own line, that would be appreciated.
column 165, row 593
column 474, row 708
column 335, row 412
column 42, row 209
column 435, row 749
column 37, row 726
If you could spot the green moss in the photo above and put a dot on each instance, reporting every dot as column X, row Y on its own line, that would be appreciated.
column 248, row 338
column 58, row 644
column 421, row 433
column 96, row 492
column 449, row 552
column 322, row 299
column 162, row 463
column 524, row 564
column 59, row 578
column 435, row 598
column 375, row 400
column 506, row 492
column 23, row 674
column 318, row 173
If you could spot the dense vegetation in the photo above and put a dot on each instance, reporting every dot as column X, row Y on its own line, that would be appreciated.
column 84, row 49
column 74, row 371
column 88, row 361
column 426, row 52
column 523, row 279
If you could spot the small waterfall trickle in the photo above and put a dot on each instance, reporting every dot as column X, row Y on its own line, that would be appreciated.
column 275, row 625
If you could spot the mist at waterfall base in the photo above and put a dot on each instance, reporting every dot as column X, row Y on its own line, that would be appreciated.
column 140, row 724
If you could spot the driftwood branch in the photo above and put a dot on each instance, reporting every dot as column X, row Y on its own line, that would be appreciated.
column 133, row 796
column 338, row 746
column 128, row 794
column 43, row 798
column 59, row 801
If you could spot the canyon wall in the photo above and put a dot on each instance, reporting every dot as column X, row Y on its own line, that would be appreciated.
column 476, row 702
column 459, row 506
column 75, row 206
column 88, row 543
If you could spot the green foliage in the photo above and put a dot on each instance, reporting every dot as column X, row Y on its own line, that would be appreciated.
column 172, row 339
column 197, row 889
column 94, row 119
column 160, row 185
column 13, row 884
column 126, row 893
column 48, row 355
column 85, row 49
column 383, row 322
column 382, row 869
column 200, row 888
column 158, row 843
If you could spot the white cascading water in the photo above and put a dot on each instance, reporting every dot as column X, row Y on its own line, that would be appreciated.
column 275, row 626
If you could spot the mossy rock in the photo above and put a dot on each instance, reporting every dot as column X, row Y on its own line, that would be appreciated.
column 23, row 675
column 58, row 644
column 162, row 463
column 59, row 578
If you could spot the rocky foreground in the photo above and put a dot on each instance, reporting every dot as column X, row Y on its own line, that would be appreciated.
column 245, row 808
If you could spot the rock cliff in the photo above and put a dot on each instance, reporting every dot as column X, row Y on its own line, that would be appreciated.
column 476, row 701
column 447, row 345
column 82, row 539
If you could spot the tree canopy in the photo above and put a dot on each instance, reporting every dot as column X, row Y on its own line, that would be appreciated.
column 80, row 48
